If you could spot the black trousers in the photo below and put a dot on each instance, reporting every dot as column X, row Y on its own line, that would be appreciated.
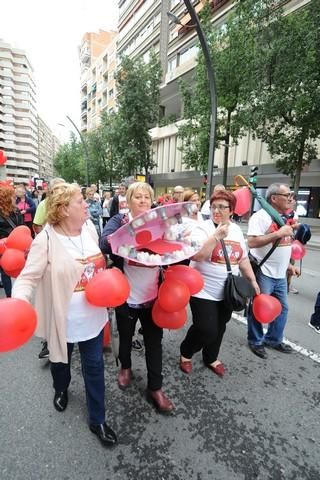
column 126, row 320
column 206, row 333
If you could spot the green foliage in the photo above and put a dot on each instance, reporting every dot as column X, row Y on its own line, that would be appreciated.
column 101, row 144
column 284, row 105
column 231, row 51
column 267, row 74
column 69, row 161
column 138, row 88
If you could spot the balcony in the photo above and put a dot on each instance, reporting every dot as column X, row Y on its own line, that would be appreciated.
column 186, row 22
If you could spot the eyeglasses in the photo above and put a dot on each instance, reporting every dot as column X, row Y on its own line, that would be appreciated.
column 287, row 195
column 219, row 207
column 180, row 193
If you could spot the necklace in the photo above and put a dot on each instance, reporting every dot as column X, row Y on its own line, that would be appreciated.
column 80, row 249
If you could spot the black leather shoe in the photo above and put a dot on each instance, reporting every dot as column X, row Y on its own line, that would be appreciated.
column 281, row 347
column 60, row 401
column 258, row 350
column 106, row 436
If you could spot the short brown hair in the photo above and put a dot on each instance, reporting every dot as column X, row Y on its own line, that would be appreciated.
column 224, row 195
column 188, row 194
column 60, row 197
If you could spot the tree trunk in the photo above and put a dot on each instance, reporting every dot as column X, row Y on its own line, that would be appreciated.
column 226, row 150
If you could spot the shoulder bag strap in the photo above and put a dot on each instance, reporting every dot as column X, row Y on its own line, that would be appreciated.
column 225, row 253
column 272, row 249
column 10, row 222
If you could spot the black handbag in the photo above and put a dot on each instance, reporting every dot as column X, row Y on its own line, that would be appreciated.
column 237, row 289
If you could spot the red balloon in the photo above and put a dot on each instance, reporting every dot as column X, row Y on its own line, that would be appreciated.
column 3, row 158
column 18, row 323
column 109, row 288
column 188, row 275
column 13, row 261
column 243, row 204
column 106, row 335
column 266, row 308
column 298, row 250
column 3, row 245
column 20, row 238
column 173, row 295
column 163, row 319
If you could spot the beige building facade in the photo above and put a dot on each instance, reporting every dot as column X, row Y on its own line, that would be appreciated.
column 97, row 55
column 48, row 146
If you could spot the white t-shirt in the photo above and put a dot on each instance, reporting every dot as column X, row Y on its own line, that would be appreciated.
column 123, row 206
column 276, row 266
column 84, row 321
column 144, row 282
column 214, row 270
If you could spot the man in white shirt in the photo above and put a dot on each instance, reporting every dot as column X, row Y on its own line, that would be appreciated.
column 119, row 202
column 272, row 276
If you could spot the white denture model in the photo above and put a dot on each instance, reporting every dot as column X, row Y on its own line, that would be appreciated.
column 161, row 236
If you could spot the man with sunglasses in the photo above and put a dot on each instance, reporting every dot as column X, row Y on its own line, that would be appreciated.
column 272, row 276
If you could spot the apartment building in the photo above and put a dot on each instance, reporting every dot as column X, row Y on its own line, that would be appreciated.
column 18, row 115
column 48, row 145
column 97, row 55
column 145, row 25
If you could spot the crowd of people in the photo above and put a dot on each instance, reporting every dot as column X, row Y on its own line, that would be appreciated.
column 73, row 225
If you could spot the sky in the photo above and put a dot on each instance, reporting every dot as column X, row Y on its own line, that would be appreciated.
column 50, row 33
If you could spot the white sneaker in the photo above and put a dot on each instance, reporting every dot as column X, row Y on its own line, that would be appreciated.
column 293, row 290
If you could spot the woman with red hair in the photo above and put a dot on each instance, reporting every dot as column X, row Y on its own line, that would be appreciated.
column 210, row 314
column 10, row 218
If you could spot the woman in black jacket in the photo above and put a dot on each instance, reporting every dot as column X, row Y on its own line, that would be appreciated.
column 10, row 218
column 144, row 282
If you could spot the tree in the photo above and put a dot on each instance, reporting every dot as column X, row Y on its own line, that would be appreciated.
column 231, row 51
column 69, row 162
column 138, row 87
column 102, row 143
column 284, row 105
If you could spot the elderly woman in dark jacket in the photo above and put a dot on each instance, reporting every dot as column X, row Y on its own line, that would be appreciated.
column 144, row 283
column 10, row 218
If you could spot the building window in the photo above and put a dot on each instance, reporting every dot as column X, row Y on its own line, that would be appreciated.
column 187, row 54
column 172, row 64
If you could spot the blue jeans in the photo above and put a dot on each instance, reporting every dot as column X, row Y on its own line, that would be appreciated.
column 92, row 364
column 277, row 287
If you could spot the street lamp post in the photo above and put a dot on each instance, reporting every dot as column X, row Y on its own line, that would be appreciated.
column 212, row 88
column 84, row 146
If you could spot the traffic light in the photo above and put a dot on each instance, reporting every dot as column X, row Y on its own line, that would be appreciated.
column 253, row 175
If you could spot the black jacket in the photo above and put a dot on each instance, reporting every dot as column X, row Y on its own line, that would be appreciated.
column 114, row 224
column 114, row 208
column 5, row 226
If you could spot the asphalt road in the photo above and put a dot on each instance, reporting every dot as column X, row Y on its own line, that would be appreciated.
column 261, row 421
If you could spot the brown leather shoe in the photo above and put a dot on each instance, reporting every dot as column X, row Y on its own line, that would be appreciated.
column 124, row 378
column 185, row 366
column 161, row 401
